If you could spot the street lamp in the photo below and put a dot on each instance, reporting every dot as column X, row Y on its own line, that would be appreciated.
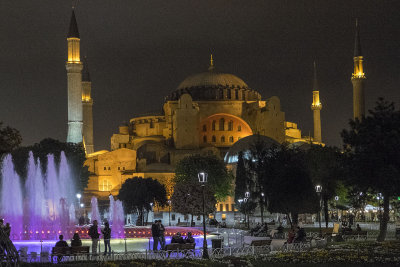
column 318, row 189
column 169, row 212
column 203, row 180
column 79, row 198
column 246, row 198
column 82, row 205
column 337, row 210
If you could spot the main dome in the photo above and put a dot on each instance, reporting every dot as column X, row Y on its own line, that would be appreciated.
column 213, row 85
column 212, row 79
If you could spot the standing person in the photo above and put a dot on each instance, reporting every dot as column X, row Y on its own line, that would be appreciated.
column 161, row 237
column 7, row 229
column 94, row 235
column 155, row 232
column 107, row 236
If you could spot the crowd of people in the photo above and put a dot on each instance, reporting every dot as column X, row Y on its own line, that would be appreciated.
column 94, row 235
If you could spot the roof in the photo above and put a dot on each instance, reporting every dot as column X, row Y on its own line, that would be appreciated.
column 73, row 27
column 212, row 79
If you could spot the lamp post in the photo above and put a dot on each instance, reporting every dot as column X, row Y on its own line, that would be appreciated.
column 337, row 210
column 262, row 207
column 169, row 212
column 203, row 180
column 318, row 189
column 79, row 198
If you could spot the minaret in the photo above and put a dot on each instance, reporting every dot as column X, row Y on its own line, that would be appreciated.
column 316, row 107
column 74, row 69
column 358, row 78
column 211, row 67
column 87, row 104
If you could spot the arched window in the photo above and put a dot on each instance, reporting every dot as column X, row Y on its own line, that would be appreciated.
column 204, row 139
column 105, row 185
column 222, row 124
column 229, row 93
column 213, row 139
column 230, row 126
column 243, row 95
column 239, row 128
column 213, row 125
column 236, row 94
column 204, row 128
column 222, row 139
column 231, row 139
column 221, row 94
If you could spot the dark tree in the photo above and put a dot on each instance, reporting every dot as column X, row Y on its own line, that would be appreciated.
column 289, row 188
column 75, row 154
column 10, row 139
column 137, row 193
column 325, row 168
column 188, row 199
column 373, row 149
column 219, row 179
column 242, row 178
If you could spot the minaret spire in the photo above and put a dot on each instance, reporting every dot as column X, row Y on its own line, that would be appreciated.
column 74, row 80
column 211, row 67
column 358, row 78
column 316, row 107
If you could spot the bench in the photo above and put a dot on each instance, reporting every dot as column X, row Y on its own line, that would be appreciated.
column 60, row 252
column 261, row 246
column 186, row 249
column 356, row 235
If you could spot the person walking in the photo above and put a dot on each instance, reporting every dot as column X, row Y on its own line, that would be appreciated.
column 161, row 237
column 107, row 236
column 94, row 235
column 155, row 232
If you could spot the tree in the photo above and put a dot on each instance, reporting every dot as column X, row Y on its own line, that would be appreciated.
column 137, row 193
column 324, row 164
column 242, row 178
column 188, row 199
column 75, row 154
column 289, row 188
column 373, row 149
column 219, row 179
column 10, row 139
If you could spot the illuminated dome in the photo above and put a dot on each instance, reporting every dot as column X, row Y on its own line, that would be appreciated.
column 245, row 144
column 213, row 85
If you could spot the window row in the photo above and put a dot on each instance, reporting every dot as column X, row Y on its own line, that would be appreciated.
column 222, row 126
column 214, row 139
column 105, row 185
column 221, row 207
column 119, row 168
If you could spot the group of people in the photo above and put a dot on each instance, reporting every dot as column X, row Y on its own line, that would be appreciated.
column 296, row 235
column 178, row 239
column 94, row 235
column 157, row 231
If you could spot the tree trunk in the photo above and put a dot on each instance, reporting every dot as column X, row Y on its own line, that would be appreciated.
column 295, row 218
column 384, row 219
column 262, row 212
column 290, row 221
column 326, row 213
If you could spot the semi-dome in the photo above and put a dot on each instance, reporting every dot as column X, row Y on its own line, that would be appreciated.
column 213, row 85
column 245, row 145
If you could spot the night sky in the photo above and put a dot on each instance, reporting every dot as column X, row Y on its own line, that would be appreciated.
column 139, row 51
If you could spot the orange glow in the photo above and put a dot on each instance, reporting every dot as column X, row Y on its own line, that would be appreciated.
column 74, row 50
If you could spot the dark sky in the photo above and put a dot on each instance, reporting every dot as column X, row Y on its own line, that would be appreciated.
column 139, row 51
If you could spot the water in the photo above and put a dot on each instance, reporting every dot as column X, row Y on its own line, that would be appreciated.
column 43, row 211
column 95, row 210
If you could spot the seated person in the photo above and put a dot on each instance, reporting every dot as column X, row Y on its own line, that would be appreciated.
column 300, row 235
column 255, row 229
column 189, row 239
column 291, row 235
column 76, row 241
column 62, row 243
column 177, row 239
column 358, row 229
column 280, row 229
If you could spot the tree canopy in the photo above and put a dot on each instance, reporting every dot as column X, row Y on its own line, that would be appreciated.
column 188, row 199
column 373, row 152
column 10, row 139
column 137, row 193
column 219, row 179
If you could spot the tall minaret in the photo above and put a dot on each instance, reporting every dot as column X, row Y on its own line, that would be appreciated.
column 358, row 78
column 87, row 104
column 316, row 107
column 74, row 68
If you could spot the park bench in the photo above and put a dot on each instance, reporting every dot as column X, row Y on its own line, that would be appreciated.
column 60, row 252
column 355, row 235
column 261, row 246
column 185, row 249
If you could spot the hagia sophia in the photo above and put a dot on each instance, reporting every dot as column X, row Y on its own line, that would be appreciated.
column 209, row 113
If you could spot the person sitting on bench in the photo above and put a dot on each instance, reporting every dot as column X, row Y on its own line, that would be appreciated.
column 76, row 241
column 62, row 243
column 177, row 239
column 189, row 239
